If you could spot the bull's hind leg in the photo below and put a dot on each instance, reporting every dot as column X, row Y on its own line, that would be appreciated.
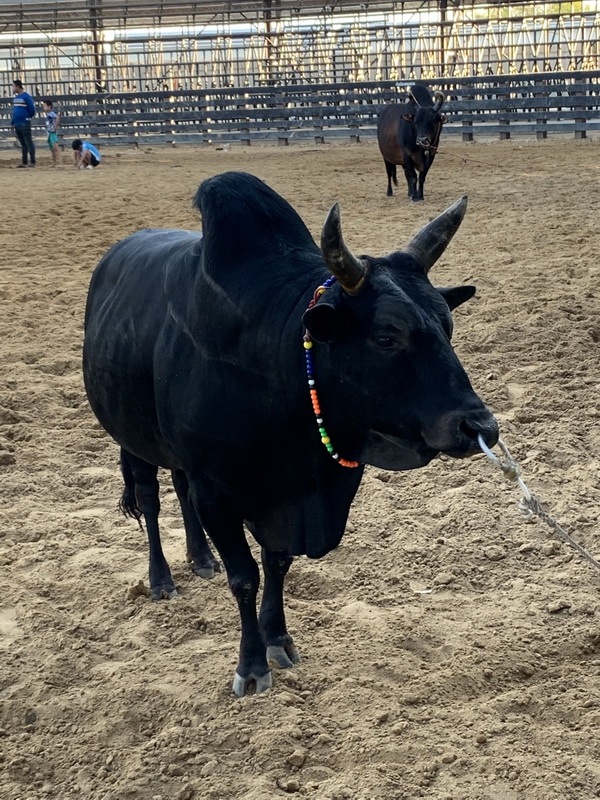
column 199, row 553
column 280, row 645
column 391, row 176
column 141, row 498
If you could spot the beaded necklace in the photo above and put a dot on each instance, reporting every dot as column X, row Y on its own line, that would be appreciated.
column 308, row 345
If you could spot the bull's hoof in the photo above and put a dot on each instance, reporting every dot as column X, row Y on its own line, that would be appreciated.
column 164, row 591
column 205, row 567
column 206, row 571
column 283, row 656
column 390, row 193
column 262, row 682
column 417, row 199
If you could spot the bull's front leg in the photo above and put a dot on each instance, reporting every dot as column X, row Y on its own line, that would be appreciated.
column 411, row 179
column 227, row 533
column 421, row 183
column 280, row 645
column 424, row 169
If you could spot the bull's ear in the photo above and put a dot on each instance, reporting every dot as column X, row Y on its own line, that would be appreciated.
column 322, row 322
column 409, row 117
column 443, row 119
column 456, row 295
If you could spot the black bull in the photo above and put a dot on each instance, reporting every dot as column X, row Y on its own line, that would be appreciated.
column 408, row 136
column 194, row 361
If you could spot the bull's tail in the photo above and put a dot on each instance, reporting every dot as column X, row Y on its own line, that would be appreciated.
column 128, row 503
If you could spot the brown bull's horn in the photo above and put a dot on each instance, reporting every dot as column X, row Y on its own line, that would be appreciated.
column 429, row 244
column 349, row 270
column 413, row 99
column 439, row 100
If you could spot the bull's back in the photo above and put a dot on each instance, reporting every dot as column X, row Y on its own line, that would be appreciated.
column 131, row 298
column 390, row 128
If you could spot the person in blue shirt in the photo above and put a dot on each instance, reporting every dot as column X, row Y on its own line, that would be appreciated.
column 85, row 155
column 23, row 111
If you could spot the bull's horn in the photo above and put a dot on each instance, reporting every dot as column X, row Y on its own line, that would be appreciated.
column 413, row 99
column 349, row 270
column 439, row 100
column 429, row 244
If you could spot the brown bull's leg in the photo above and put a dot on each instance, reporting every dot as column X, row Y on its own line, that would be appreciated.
column 421, row 185
column 199, row 553
column 391, row 176
column 411, row 179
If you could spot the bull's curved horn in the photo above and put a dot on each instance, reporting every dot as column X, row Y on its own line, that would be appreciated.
column 429, row 244
column 413, row 99
column 349, row 270
column 439, row 100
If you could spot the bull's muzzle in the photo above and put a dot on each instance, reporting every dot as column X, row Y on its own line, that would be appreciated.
column 455, row 433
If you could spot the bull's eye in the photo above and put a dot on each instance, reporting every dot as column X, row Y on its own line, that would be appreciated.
column 384, row 342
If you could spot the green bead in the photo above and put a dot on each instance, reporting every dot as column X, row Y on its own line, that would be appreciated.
column 329, row 448
column 322, row 431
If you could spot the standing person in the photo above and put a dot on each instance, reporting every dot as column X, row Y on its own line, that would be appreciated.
column 85, row 154
column 23, row 111
column 52, row 126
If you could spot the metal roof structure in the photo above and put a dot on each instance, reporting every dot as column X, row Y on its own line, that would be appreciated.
column 66, row 47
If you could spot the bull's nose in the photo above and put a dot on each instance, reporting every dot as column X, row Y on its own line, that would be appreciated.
column 456, row 433
column 485, row 425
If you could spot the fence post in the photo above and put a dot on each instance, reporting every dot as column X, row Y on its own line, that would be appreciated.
column 318, row 126
column 245, row 137
column 283, row 127
column 579, row 132
column 467, row 133
column 542, row 133
column 354, row 134
column 504, row 134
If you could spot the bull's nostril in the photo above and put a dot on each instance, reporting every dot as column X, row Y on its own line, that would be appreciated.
column 468, row 431
column 488, row 429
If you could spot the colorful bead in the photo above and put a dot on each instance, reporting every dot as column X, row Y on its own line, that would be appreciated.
column 320, row 290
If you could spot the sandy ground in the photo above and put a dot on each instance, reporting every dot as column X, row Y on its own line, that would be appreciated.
column 450, row 649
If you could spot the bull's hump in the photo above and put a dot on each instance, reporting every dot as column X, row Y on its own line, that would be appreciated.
column 166, row 236
column 240, row 211
column 422, row 95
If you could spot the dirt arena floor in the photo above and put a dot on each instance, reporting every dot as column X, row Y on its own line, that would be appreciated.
column 450, row 649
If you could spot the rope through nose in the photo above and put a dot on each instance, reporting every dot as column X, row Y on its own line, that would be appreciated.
column 529, row 505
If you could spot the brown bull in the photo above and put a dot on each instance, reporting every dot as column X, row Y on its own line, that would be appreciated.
column 408, row 136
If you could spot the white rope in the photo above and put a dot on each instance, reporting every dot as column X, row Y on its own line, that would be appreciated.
column 529, row 505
